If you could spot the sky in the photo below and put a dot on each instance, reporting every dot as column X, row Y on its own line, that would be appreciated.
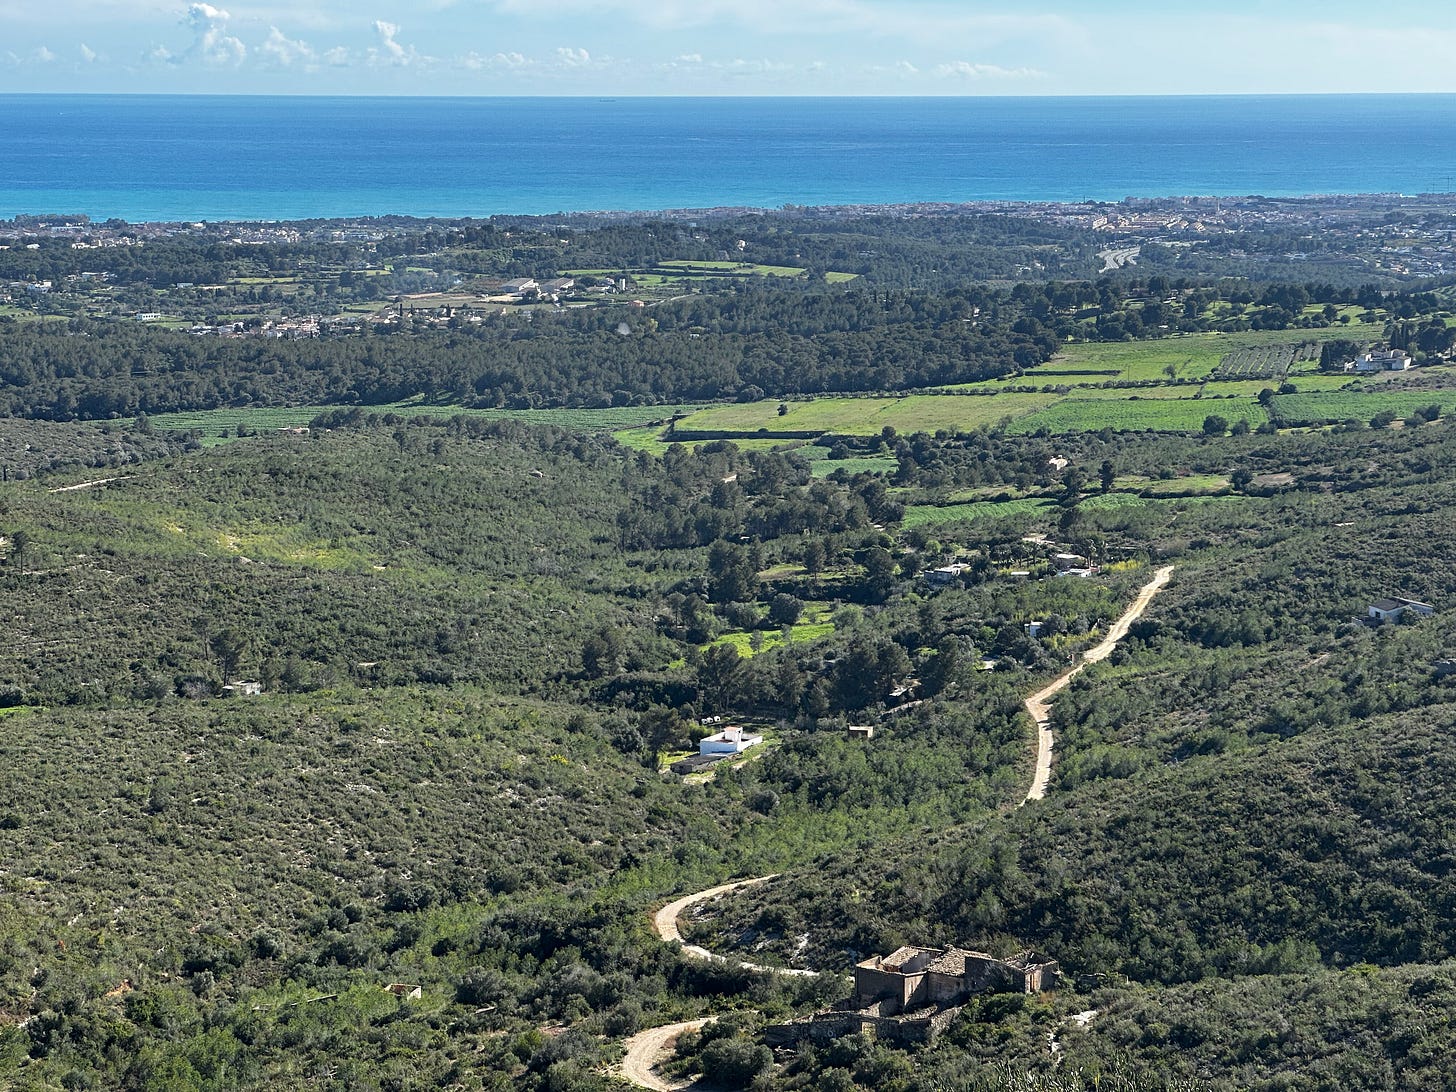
column 726, row 47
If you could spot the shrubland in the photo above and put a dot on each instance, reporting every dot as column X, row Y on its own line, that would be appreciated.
column 481, row 644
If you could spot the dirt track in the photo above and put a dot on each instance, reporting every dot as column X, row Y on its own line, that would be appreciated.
column 1038, row 705
column 88, row 485
column 664, row 924
column 647, row 1048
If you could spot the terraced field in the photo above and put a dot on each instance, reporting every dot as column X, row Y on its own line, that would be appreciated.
column 1265, row 361
column 1194, row 356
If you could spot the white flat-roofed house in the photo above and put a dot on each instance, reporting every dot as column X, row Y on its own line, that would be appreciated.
column 1380, row 360
column 1392, row 610
column 730, row 741
column 946, row 575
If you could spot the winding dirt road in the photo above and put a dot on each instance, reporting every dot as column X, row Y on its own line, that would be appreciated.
column 1039, row 704
column 664, row 924
column 647, row 1048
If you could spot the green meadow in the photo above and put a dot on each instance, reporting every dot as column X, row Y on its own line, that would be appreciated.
column 920, row 514
column 213, row 423
column 1150, row 414
column 1332, row 406
column 865, row 416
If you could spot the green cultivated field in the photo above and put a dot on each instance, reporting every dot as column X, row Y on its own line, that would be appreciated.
column 771, row 639
column 1334, row 406
column 920, row 514
column 866, row 416
column 1188, row 484
column 864, row 464
column 1156, row 414
column 648, row 438
column 1250, row 388
column 1125, row 394
column 1192, row 357
column 265, row 419
column 750, row 268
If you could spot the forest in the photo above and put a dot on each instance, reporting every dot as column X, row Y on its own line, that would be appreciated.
column 346, row 755
column 742, row 343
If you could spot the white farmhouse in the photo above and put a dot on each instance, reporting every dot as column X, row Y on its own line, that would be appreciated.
column 730, row 741
column 1392, row 610
column 1380, row 360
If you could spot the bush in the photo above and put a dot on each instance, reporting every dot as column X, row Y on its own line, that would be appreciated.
column 734, row 1063
column 785, row 609
column 741, row 615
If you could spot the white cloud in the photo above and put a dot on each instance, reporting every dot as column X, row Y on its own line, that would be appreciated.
column 43, row 55
column 573, row 58
column 497, row 61
column 211, row 43
column 387, row 33
column 390, row 50
column 969, row 70
column 286, row 52
column 756, row 67
column 921, row 21
column 338, row 57
column 89, row 55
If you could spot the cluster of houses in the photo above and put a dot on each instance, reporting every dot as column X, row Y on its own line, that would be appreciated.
column 527, row 288
column 1062, row 563
column 310, row 326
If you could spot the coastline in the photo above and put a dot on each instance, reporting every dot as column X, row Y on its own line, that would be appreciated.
column 151, row 158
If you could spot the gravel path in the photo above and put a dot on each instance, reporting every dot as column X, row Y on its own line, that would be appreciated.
column 88, row 485
column 1039, row 704
column 664, row 924
column 647, row 1048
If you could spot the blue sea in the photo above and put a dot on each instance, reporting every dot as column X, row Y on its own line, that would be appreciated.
column 262, row 158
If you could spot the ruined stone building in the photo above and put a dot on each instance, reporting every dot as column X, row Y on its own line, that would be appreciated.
column 913, row 994
column 911, row 977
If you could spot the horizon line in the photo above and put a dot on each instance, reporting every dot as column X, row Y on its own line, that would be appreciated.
column 610, row 97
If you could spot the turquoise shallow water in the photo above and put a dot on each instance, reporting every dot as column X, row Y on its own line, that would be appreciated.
column 205, row 157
